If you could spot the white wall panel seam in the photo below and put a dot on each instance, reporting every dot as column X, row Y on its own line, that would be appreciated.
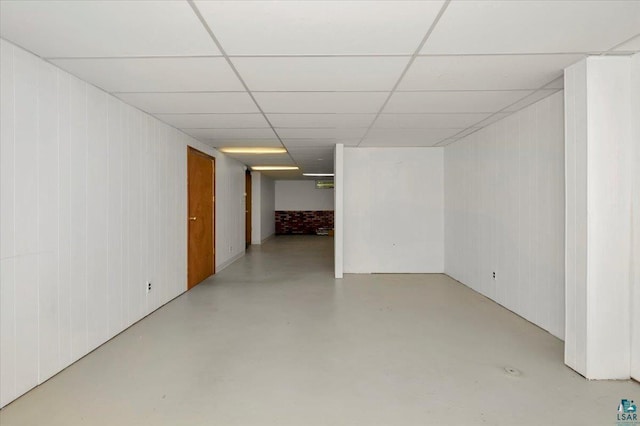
column 37, row 224
column 15, row 322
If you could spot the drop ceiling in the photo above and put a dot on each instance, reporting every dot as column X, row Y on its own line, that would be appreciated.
column 309, row 74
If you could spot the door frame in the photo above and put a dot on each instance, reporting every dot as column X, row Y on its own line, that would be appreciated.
column 213, row 209
column 248, row 201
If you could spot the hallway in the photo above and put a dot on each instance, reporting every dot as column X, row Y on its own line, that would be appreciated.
column 274, row 340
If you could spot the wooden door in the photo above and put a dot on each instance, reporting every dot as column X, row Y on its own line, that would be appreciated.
column 247, row 210
column 201, row 189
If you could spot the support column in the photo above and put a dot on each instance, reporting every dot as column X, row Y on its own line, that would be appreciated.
column 601, row 178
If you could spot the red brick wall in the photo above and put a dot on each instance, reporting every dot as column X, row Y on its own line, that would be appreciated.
column 303, row 222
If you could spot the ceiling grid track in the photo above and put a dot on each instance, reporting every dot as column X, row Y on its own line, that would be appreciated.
column 307, row 75
column 235, row 71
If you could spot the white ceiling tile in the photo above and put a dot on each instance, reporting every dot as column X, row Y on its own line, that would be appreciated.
column 155, row 74
column 316, row 168
column 321, row 133
column 284, row 175
column 321, row 120
column 190, row 102
column 528, row 100
column 506, row 72
column 319, row 27
column 318, row 160
column 313, row 150
column 320, row 73
column 533, row 26
column 105, row 28
column 632, row 45
column 213, row 121
column 305, row 153
column 231, row 133
column 301, row 143
column 321, row 102
column 313, row 161
column 428, row 121
column 263, row 160
column 406, row 137
column 452, row 102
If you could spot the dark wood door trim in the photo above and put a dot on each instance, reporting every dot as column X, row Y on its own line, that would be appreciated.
column 247, row 206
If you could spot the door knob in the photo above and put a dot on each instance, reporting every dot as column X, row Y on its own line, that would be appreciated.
column 192, row 218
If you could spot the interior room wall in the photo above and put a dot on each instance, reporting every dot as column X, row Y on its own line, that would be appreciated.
column 267, row 207
column 93, row 204
column 256, row 213
column 393, row 210
column 504, row 198
column 298, row 195
column 262, row 212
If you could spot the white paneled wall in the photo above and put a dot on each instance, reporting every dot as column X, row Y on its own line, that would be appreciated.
column 267, row 207
column 302, row 195
column 92, row 205
column 393, row 210
column 504, row 201
column 230, row 207
column 263, row 222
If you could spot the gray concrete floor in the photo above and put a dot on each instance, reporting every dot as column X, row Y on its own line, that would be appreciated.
column 275, row 340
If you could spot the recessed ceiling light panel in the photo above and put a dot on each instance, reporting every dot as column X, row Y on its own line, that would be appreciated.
column 253, row 150
column 273, row 168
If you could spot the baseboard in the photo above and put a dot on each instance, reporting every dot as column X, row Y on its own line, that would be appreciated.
column 263, row 240
column 268, row 238
column 226, row 263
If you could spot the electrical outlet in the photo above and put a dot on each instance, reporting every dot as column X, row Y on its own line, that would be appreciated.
column 494, row 275
column 148, row 286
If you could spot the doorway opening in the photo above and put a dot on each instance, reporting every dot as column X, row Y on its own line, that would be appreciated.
column 201, row 258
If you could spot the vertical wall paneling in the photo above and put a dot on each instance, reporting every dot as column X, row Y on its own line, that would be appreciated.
column 504, row 213
column 635, row 223
column 93, row 204
column 267, row 208
column 47, row 224
column 26, row 218
column 338, row 168
column 97, row 217
column 256, row 211
column 64, row 220
column 78, row 216
column 393, row 221
column 7, row 230
column 115, row 216
column 300, row 195
column 263, row 207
